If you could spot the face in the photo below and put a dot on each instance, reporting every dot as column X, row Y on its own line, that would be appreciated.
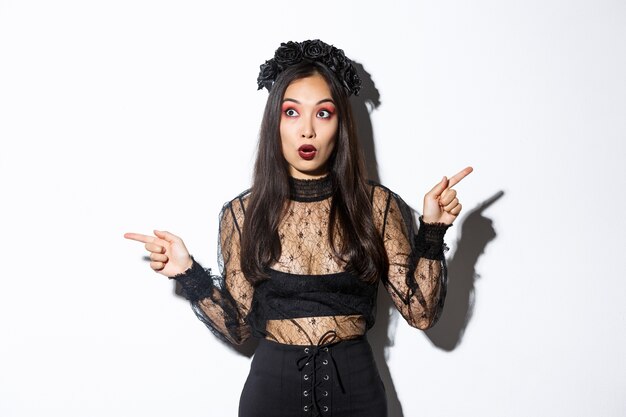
column 308, row 127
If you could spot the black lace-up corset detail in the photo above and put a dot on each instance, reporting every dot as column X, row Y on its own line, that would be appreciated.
column 310, row 190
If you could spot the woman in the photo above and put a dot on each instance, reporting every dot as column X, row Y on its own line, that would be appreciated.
column 303, row 251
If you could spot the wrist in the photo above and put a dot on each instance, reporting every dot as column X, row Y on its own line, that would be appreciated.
column 429, row 239
column 188, row 264
column 431, row 222
column 189, row 268
column 196, row 281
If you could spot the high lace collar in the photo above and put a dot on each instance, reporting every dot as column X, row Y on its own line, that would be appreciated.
column 310, row 190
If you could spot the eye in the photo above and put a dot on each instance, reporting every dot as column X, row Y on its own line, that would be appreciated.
column 324, row 114
column 291, row 112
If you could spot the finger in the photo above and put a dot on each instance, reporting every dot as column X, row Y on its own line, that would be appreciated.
column 153, row 247
column 438, row 189
column 451, row 205
column 157, row 266
column 456, row 210
column 447, row 196
column 158, row 257
column 145, row 238
column 139, row 237
column 459, row 176
column 167, row 236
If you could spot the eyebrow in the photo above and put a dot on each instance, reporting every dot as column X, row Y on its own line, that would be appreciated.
column 325, row 100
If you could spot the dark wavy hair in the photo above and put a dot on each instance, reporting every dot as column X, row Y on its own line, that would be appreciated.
column 361, row 246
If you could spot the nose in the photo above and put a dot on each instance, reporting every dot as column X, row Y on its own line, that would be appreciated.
column 308, row 132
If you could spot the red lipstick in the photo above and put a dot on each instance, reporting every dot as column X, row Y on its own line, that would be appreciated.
column 307, row 152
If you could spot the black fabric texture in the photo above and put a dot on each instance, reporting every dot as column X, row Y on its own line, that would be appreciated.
column 286, row 296
column 309, row 291
column 339, row 380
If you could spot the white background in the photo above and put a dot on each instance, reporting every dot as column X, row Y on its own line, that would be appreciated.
column 126, row 116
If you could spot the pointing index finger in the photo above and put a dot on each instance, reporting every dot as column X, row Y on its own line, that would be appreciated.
column 140, row 238
column 459, row 176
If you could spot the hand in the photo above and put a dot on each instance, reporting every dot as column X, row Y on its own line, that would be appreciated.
column 168, row 254
column 440, row 203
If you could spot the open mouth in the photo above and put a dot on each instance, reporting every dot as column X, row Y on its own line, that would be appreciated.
column 307, row 152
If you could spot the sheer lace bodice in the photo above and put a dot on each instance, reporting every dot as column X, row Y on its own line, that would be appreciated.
column 309, row 292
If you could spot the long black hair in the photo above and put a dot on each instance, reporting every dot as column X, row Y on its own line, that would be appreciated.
column 361, row 246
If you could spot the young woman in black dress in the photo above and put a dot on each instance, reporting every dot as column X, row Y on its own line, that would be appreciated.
column 302, row 252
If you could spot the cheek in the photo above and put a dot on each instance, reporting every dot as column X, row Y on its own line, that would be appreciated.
column 286, row 143
column 331, row 135
column 331, row 147
column 287, row 128
column 284, row 146
column 284, row 135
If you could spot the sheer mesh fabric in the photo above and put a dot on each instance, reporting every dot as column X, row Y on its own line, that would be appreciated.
column 309, row 292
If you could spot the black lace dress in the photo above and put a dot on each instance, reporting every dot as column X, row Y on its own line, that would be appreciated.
column 311, row 311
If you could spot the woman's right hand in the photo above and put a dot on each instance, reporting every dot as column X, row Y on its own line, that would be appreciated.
column 168, row 254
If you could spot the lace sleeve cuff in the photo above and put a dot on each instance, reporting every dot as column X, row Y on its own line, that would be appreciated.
column 195, row 281
column 429, row 240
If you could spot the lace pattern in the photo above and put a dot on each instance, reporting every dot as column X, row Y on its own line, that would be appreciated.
column 309, row 301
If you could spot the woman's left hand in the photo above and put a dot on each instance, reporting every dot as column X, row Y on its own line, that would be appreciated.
column 440, row 203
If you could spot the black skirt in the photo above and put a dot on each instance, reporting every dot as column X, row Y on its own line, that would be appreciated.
column 338, row 379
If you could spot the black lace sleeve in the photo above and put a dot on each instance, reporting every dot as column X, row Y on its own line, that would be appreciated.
column 417, row 279
column 222, row 302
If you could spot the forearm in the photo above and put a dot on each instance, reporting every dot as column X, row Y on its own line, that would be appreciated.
column 214, row 307
column 196, row 281
column 429, row 277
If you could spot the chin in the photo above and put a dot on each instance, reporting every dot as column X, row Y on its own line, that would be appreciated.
column 307, row 171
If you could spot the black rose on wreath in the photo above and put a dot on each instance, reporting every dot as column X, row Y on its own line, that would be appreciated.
column 288, row 54
column 315, row 49
column 267, row 74
column 335, row 60
column 292, row 53
column 351, row 79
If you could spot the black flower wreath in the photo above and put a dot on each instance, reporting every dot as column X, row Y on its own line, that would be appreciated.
column 291, row 53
